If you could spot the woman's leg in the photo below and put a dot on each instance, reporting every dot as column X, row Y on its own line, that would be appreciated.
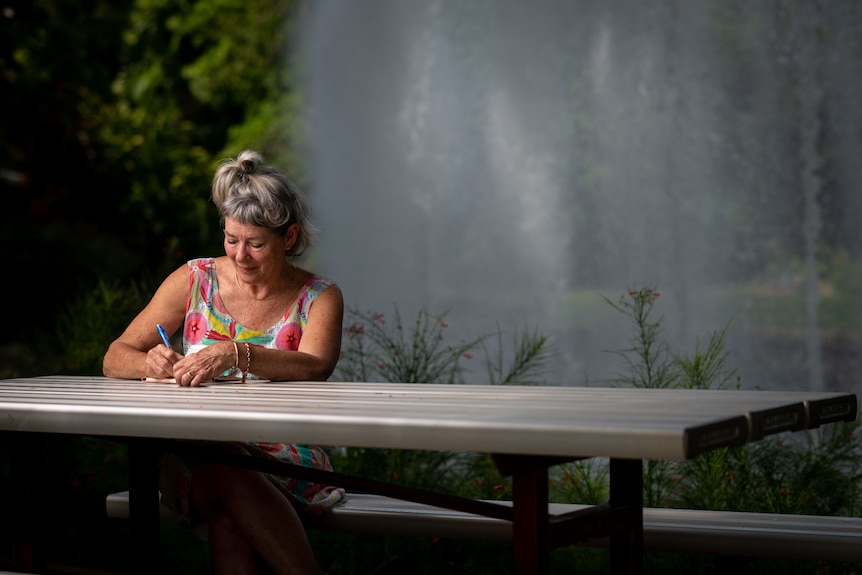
column 249, row 512
column 231, row 553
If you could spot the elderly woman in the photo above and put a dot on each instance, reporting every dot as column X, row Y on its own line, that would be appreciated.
column 251, row 313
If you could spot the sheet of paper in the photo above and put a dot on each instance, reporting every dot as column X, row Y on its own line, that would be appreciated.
column 219, row 380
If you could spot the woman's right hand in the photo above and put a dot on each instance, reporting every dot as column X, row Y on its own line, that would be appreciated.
column 160, row 361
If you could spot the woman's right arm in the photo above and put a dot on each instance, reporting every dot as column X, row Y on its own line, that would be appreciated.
column 139, row 351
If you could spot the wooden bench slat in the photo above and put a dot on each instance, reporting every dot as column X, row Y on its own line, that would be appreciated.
column 676, row 530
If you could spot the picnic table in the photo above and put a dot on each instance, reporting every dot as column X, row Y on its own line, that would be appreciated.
column 527, row 429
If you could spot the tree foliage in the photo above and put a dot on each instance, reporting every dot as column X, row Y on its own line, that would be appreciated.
column 115, row 114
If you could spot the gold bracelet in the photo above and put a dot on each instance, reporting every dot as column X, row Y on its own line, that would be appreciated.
column 247, row 362
column 235, row 356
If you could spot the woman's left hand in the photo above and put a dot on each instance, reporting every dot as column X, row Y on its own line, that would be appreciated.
column 192, row 372
column 205, row 365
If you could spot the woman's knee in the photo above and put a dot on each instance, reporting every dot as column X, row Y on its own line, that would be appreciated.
column 215, row 486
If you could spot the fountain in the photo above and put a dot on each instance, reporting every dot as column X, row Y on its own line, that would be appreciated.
column 509, row 163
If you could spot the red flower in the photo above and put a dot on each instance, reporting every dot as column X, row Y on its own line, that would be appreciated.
column 355, row 329
column 195, row 328
column 288, row 337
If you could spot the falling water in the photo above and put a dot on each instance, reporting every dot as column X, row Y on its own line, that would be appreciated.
column 511, row 163
column 811, row 104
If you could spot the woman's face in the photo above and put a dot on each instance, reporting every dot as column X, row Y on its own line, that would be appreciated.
column 256, row 252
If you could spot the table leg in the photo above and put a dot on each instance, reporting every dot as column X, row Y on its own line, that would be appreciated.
column 27, row 503
column 530, row 528
column 626, row 548
column 143, row 507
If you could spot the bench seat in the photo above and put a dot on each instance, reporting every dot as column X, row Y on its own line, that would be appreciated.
column 677, row 530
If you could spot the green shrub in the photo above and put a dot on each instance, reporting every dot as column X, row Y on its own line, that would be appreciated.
column 816, row 472
column 94, row 320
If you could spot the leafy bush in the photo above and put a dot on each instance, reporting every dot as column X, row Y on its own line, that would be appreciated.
column 96, row 318
column 816, row 472
column 376, row 349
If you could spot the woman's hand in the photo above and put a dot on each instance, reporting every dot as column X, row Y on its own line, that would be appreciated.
column 205, row 365
column 160, row 361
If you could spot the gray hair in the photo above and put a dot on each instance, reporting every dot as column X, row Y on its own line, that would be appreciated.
column 258, row 194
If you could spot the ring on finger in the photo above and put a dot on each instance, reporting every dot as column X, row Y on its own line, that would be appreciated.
column 190, row 374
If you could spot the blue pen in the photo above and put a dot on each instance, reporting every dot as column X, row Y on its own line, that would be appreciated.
column 164, row 335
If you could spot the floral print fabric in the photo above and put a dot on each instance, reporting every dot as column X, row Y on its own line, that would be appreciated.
column 208, row 321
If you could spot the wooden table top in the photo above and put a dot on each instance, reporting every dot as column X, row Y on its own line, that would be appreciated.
column 542, row 420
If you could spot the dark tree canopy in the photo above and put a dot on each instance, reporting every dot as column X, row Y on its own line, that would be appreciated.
column 114, row 115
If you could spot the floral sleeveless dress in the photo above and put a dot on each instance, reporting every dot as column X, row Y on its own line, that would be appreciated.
column 207, row 322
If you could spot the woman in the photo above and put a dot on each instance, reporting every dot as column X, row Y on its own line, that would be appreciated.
column 253, row 314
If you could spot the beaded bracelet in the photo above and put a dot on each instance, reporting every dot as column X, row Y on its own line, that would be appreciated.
column 247, row 362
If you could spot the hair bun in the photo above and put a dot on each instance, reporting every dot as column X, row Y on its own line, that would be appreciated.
column 247, row 162
column 246, row 167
